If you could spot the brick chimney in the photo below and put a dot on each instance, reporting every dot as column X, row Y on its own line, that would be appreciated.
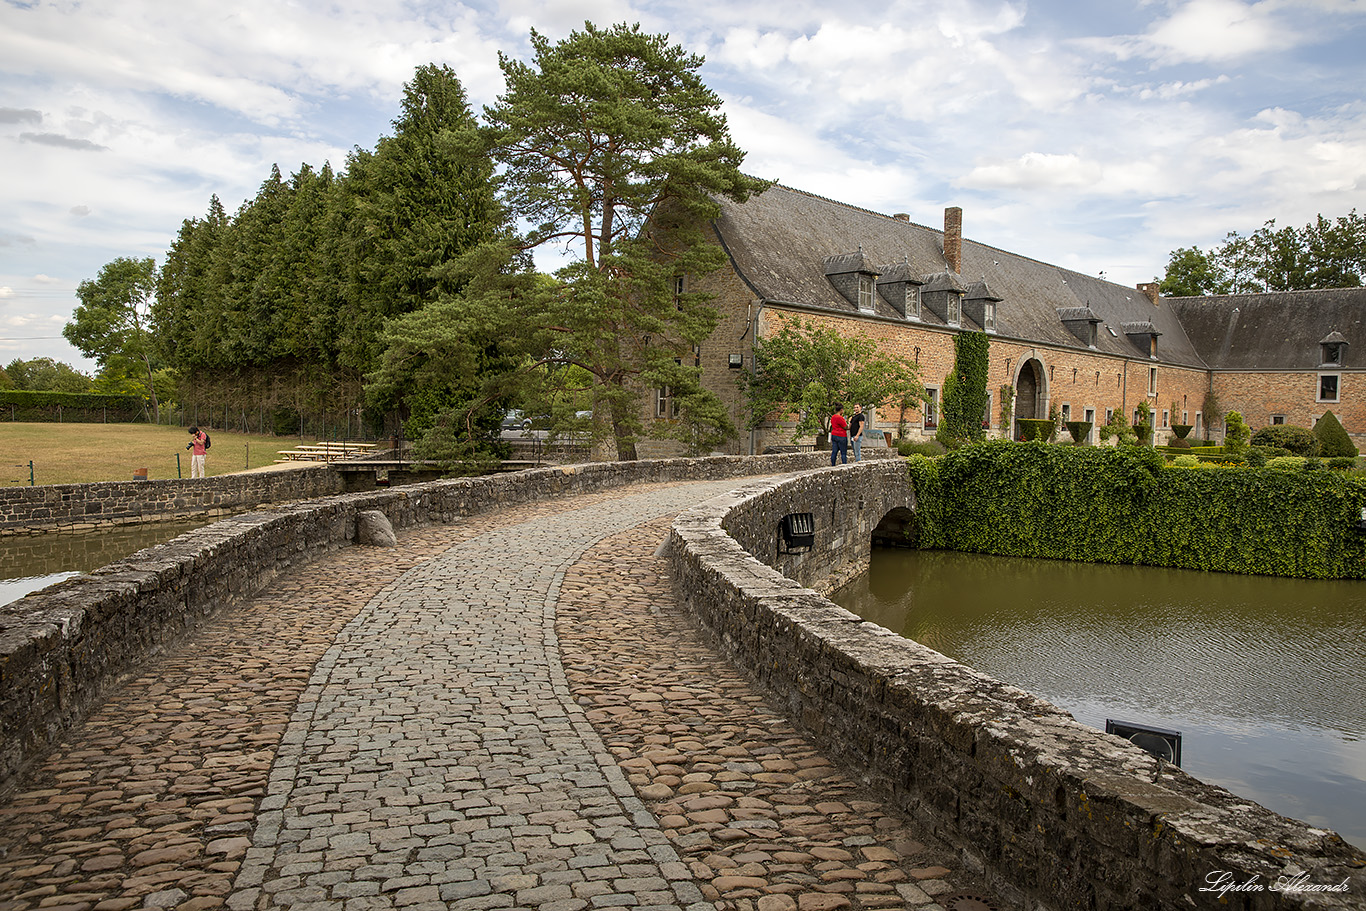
column 902, row 216
column 953, row 239
column 1151, row 290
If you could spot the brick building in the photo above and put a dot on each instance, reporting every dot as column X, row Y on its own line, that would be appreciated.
column 1058, row 338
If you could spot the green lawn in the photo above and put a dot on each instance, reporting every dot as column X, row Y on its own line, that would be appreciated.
column 76, row 453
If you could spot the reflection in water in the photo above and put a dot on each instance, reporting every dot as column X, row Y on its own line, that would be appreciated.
column 31, row 562
column 1265, row 677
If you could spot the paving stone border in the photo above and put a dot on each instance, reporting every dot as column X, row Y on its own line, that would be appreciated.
column 62, row 648
column 1055, row 813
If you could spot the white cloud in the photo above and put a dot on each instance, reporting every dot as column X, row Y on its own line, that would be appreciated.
column 1097, row 138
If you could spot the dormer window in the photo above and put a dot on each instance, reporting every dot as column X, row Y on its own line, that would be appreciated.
column 989, row 316
column 900, row 288
column 854, row 278
column 1333, row 350
column 1082, row 323
column 1143, row 336
column 942, row 294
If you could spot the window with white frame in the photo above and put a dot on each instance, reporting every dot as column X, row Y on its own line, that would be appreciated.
column 665, row 406
column 865, row 293
column 1328, row 387
column 955, row 305
column 1066, row 412
column 1089, row 416
column 989, row 316
column 1152, row 381
column 1166, row 418
column 1277, row 419
column 931, row 408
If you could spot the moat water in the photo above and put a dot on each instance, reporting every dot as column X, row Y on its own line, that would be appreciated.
column 32, row 562
column 1265, row 678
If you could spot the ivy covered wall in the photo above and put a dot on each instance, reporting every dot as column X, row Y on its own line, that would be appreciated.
column 1124, row 505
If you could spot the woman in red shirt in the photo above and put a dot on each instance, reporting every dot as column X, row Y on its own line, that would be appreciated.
column 839, row 436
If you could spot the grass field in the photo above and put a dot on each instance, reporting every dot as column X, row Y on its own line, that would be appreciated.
column 78, row 453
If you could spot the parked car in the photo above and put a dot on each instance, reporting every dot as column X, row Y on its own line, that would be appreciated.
column 516, row 420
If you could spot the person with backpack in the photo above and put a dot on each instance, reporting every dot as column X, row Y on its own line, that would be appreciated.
column 199, row 447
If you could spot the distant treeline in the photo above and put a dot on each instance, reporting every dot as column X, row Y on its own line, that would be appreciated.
column 70, row 407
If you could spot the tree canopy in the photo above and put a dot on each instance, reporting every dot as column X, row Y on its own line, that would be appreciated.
column 43, row 374
column 614, row 148
column 112, row 322
column 805, row 368
column 1323, row 254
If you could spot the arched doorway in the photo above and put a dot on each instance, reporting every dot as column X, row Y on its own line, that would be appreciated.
column 1029, row 392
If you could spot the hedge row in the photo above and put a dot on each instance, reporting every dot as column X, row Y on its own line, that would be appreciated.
column 1123, row 505
column 72, row 407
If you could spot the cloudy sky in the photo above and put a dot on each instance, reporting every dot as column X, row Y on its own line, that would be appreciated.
column 1096, row 135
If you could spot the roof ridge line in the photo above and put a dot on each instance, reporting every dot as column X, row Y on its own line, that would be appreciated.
column 985, row 246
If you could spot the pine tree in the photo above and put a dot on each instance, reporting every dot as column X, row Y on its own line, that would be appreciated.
column 615, row 148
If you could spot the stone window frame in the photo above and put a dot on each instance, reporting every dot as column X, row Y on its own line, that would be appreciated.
column 1336, row 379
column 1065, row 409
column 986, row 413
column 1277, row 420
column 1166, row 419
column 1152, row 381
column 929, row 416
column 1089, row 414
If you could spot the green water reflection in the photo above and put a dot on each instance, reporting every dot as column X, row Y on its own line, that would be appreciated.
column 1265, row 678
column 31, row 562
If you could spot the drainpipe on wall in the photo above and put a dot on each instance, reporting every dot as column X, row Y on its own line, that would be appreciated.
column 1124, row 392
column 752, row 325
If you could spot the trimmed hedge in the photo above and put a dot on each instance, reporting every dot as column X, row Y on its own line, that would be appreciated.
column 1298, row 441
column 1104, row 505
column 69, row 407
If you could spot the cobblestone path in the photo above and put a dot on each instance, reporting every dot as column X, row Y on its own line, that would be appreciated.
column 396, row 729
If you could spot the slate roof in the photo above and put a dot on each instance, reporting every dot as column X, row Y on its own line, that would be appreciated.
column 779, row 242
column 1275, row 331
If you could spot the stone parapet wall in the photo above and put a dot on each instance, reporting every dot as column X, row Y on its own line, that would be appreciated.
column 81, row 506
column 61, row 649
column 1056, row 814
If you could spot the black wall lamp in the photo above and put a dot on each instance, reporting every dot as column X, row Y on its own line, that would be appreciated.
column 798, row 532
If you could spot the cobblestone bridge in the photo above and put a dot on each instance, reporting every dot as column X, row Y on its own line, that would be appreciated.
column 505, row 713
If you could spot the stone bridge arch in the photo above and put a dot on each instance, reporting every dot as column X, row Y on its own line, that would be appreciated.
column 900, row 527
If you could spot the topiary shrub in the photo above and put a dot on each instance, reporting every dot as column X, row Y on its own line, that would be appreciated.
column 1342, row 463
column 1079, row 431
column 1333, row 439
column 1235, row 434
column 1040, row 429
column 1185, row 461
column 1298, row 441
column 1286, row 463
column 1256, row 458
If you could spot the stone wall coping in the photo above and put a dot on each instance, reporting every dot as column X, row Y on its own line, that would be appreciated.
column 1057, row 814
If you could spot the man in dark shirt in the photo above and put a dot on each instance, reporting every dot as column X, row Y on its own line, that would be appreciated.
column 857, row 423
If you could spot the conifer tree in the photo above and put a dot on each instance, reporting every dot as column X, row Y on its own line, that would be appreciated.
column 615, row 148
